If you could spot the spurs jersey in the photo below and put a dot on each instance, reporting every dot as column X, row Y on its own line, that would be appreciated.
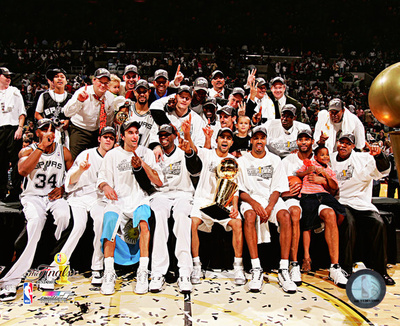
column 148, row 128
column 208, row 177
column 261, row 176
column 48, row 174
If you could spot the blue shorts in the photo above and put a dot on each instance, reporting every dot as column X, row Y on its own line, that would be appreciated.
column 125, row 253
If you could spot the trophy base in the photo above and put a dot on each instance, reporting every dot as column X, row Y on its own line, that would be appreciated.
column 216, row 211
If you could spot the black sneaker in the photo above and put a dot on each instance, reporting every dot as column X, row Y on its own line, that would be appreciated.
column 8, row 293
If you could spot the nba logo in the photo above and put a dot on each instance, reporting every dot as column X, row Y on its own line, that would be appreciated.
column 28, row 293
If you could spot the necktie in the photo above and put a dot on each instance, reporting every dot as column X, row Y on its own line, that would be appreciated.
column 103, row 114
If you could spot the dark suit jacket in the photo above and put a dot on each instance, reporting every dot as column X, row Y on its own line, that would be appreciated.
column 289, row 100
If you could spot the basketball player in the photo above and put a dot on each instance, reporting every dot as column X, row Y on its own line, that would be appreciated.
column 43, row 165
column 125, row 176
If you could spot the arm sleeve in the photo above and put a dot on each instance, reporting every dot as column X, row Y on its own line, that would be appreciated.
column 144, row 181
column 73, row 106
column 193, row 163
column 382, row 163
column 157, row 110
column 40, row 104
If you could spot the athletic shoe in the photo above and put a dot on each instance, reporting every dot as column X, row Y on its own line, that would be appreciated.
column 142, row 281
column 109, row 280
column 46, row 283
column 388, row 280
column 97, row 278
column 8, row 293
column 295, row 274
column 156, row 283
column 240, row 278
column 185, row 286
column 285, row 282
column 197, row 273
column 256, row 282
column 338, row 276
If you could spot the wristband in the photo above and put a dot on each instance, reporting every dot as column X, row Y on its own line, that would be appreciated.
column 40, row 149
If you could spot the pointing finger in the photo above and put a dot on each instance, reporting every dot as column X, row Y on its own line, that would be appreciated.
column 87, row 157
column 85, row 87
column 209, row 122
column 368, row 146
column 190, row 118
column 178, row 70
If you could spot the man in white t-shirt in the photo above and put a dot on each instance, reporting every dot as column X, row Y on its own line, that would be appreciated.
column 204, row 195
column 173, row 199
column 355, row 173
column 126, row 177
column 282, row 133
column 261, row 181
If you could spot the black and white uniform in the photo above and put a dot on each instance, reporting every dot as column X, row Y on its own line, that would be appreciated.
column 175, row 195
column 260, row 177
column 281, row 141
column 355, row 177
column 84, row 197
column 50, row 106
column 206, row 189
column 11, row 108
column 48, row 174
column 148, row 128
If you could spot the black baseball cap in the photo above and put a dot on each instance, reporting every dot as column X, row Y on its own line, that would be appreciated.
column 277, row 80
column 184, row 88
column 229, row 110
column 222, row 130
column 238, row 90
column 42, row 123
column 107, row 130
column 131, row 68
column 142, row 83
column 51, row 73
column 259, row 129
column 210, row 101
column 166, row 128
column 5, row 71
column 161, row 73
column 349, row 137
column 303, row 132
column 102, row 72
column 130, row 123
column 217, row 72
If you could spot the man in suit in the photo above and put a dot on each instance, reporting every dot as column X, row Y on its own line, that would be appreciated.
column 280, row 99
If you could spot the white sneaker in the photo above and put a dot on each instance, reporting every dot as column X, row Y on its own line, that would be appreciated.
column 46, row 283
column 109, row 280
column 338, row 276
column 240, row 278
column 185, row 286
column 295, row 274
column 156, row 283
column 285, row 282
column 97, row 278
column 142, row 281
column 197, row 273
column 257, row 280
column 8, row 293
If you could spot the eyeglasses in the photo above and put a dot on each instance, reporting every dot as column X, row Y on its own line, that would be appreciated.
column 109, row 137
column 162, row 81
column 103, row 83
column 7, row 76
column 142, row 91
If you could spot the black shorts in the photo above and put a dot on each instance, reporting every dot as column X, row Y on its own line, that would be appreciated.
column 310, row 203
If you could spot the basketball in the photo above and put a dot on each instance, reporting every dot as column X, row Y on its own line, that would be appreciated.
column 383, row 97
column 294, row 180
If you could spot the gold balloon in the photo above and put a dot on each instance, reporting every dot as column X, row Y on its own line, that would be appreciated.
column 384, row 96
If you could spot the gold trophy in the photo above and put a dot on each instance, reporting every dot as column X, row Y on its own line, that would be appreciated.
column 60, row 260
column 226, row 188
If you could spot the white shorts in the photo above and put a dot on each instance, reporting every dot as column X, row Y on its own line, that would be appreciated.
column 208, row 221
column 293, row 202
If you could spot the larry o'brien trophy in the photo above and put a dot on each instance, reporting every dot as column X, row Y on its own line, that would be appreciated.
column 226, row 187
column 60, row 260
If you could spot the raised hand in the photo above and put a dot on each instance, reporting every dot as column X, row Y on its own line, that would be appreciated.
column 242, row 109
column 84, row 165
column 251, row 77
column 136, row 161
column 374, row 149
column 178, row 76
column 83, row 96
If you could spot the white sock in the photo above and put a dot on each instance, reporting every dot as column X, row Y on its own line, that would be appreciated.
column 255, row 263
column 284, row 264
column 196, row 259
column 238, row 261
column 109, row 263
column 144, row 263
